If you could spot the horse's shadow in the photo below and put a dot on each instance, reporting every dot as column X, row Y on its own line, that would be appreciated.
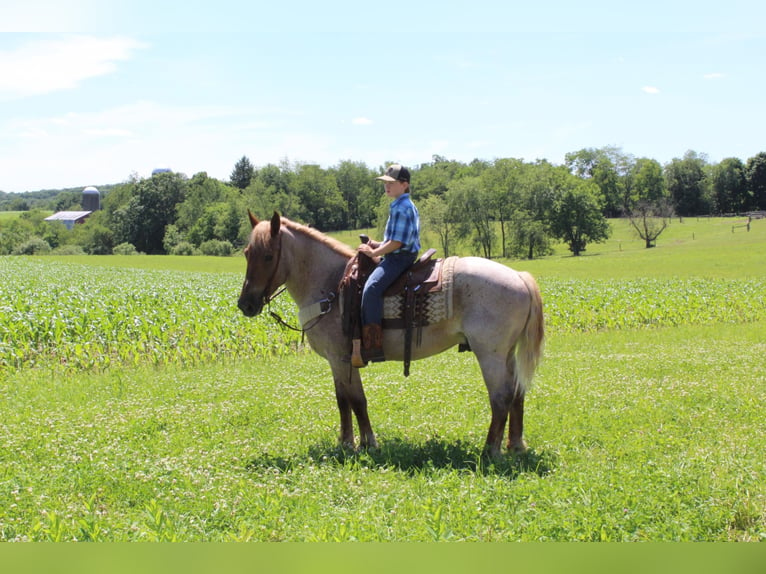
column 415, row 458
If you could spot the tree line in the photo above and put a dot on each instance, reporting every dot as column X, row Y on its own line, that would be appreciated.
column 505, row 207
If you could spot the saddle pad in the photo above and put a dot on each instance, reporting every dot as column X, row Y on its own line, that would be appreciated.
column 437, row 304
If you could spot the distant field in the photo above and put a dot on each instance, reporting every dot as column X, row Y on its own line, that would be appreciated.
column 9, row 214
column 138, row 404
column 698, row 247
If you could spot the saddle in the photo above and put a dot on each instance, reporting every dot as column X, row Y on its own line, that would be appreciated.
column 412, row 288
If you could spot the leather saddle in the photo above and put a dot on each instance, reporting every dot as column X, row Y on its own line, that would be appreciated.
column 413, row 286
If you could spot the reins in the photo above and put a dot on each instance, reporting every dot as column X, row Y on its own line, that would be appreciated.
column 325, row 304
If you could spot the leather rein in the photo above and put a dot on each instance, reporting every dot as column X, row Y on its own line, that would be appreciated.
column 266, row 299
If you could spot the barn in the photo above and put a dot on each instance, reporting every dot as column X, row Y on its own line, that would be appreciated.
column 91, row 201
column 69, row 218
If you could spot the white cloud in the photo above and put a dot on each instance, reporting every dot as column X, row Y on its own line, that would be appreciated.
column 713, row 76
column 45, row 66
column 362, row 121
column 650, row 90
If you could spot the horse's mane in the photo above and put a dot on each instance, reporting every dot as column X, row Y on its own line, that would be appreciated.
column 334, row 244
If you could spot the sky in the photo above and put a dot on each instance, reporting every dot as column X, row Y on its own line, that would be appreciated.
column 97, row 92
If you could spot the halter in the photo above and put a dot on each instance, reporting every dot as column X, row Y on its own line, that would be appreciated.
column 266, row 299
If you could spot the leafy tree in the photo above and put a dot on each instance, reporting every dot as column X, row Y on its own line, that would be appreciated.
column 437, row 216
column 218, row 221
column 243, row 173
column 319, row 195
column 203, row 191
column 151, row 208
column 530, row 237
column 502, row 182
column 645, row 182
column 434, row 178
column 729, row 186
column 756, row 180
column 649, row 219
column 577, row 218
column 95, row 236
column 685, row 179
column 607, row 167
column 357, row 186
column 473, row 218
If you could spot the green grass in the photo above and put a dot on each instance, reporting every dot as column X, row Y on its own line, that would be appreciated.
column 629, row 442
column 137, row 404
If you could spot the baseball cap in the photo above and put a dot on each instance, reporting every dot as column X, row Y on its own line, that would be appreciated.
column 395, row 172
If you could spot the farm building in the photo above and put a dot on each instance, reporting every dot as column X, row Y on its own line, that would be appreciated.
column 69, row 218
column 91, row 201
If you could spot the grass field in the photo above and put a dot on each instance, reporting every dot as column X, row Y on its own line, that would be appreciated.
column 148, row 418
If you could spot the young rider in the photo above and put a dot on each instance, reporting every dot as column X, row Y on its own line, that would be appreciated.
column 399, row 249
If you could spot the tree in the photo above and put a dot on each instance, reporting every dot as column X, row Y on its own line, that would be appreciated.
column 649, row 219
column 756, row 180
column 318, row 191
column 243, row 173
column 645, row 182
column 218, row 221
column 151, row 208
column 502, row 183
column 577, row 218
column 434, row 178
column 437, row 215
column 729, row 186
column 685, row 179
column 607, row 167
column 474, row 217
column 202, row 191
column 529, row 236
column 360, row 192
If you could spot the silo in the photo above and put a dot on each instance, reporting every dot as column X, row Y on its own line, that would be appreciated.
column 91, row 199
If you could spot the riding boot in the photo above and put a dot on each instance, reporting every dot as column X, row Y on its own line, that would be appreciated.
column 372, row 343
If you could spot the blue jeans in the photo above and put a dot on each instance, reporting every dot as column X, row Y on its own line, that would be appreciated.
column 389, row 270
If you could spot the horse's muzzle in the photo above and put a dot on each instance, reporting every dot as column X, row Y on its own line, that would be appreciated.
column 249, row 305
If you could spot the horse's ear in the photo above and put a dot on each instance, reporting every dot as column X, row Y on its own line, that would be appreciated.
column 253, row 218
column 276, row 221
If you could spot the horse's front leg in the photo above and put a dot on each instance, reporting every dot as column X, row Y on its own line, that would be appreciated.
column 350, row 396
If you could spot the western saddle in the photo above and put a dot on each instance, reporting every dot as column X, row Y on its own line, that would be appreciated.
column 413, row 286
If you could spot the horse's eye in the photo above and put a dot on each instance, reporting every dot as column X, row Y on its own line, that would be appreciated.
column 268, row 257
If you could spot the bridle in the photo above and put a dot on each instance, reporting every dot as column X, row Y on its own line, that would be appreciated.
column 266, row 299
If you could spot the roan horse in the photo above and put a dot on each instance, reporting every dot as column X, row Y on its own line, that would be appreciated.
column 496, row 310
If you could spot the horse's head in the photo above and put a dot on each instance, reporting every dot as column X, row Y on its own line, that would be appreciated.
column 263, row 254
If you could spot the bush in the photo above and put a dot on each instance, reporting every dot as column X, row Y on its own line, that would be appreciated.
column 33, row 246
column 125, row 249
column 184, row 248
column 68, row 250
column 217, row 247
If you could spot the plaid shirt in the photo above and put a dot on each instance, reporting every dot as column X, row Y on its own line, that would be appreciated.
column 403, row 224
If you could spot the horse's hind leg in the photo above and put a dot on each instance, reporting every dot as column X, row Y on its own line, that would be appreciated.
column 516, row 442
column 507, row 403
column 350, row 396
column 494, row 370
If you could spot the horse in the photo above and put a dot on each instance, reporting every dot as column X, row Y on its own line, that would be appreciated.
column 497, row 312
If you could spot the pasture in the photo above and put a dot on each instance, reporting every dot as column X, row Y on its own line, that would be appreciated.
column 136, row 403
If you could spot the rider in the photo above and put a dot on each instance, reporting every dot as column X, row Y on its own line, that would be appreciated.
column 399, row 249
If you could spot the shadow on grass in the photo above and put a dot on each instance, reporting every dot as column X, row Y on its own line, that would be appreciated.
column 416, row 458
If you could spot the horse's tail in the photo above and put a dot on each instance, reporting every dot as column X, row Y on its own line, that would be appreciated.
column 529, row 348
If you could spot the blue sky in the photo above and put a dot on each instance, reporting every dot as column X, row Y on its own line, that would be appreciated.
column 92, row 92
